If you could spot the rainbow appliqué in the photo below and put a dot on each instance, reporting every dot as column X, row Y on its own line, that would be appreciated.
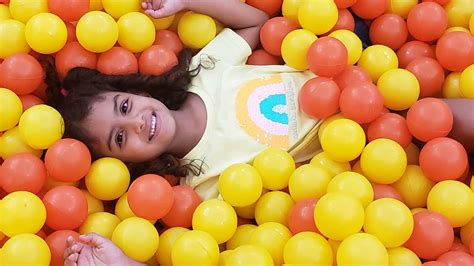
column 262, row 111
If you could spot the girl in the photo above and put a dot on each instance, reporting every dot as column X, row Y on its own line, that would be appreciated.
column 207, row 113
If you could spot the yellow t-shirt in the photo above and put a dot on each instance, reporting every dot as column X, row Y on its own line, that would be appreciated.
column 249, row 108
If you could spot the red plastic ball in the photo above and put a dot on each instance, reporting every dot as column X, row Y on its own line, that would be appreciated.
column 21, row 73
column 274, row 31
column 455, row 50
column 23, row 172
column 427, row 21
column 29, row 100
column 432, row 235
column 57, row 245
column 319, row 97
column 185, row 202
column 389, row 30
column 386, row 191
column 345, row 21
column 429, row 73
column 71, row 33
column 66, row 208
column 361, row 102
column 434, row 263
column 457, row 258
column 458, row 246
column 352, row 74
column 390, row 126
column 150, row 196
column 413, row 50
column 370, row 9
column 170, row 40
column 68, row 160
column 429, row 118
column 70, row 10
column 74, row 55
column 157, row 60
column 271, row 7
column 443, row 159
column 344, row 3
column 261, row 57
column 117, row 61
column 327, row 57
column 471, row 246
column 301, row 217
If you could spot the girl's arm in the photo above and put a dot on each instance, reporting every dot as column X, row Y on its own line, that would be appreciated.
column 244, row 19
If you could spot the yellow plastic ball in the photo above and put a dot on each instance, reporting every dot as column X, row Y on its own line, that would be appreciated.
column 93, row 205
column 459, row 12
column 361, row 249
column 196, row 30
column 383, row 161
column 451, row 85
column 274, row 206
column 217, row 218
column 136, row 32
column 290, row 9
column 95, row 5
column 343, row 140
column 454, row 200
column 224, row 257
column 471, row 184
column 102, row 223
column 318, row 16
column 338, row 216
column 390, row 221
column 23, row 10
column 40, row 126
column 401, row 8
column 308, row 181
column 93, row 24
column 327, row 121
column 12, row 38
column 471, row 24
column 195, row 248
column 466, row 232
column 330, row 166
column 25, row 249
column 12, row 143
column 272, row 237
column 167, row 241
column 295, row 46
column 352, row 43
column 250, row 255
column 400, row 89
column 453, row 29
column 22, row 212
column 137, row 238
column 122, row 209
column 118, row 8
column 240, row 185
column 354, row 185
column 307, row 248
column 162, row 23
column 413, row 154
column 403, row 256
column 414, row 187
column 275, row 167
column 46, row 33
column 378, row 59
column 417, row 210
column 466, row 83
column 241, row 236
column 4, row 12
column 107, row 179
column 10, row 110
column 247, row 212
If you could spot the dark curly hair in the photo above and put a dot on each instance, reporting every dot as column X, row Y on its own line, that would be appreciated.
column 85, row 86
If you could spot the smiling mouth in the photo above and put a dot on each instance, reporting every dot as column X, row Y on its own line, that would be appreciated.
column 152, row 126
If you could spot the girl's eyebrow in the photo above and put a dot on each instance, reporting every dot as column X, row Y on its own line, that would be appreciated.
column 109, row 139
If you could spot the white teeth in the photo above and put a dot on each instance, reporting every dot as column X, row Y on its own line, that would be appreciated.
column 153, row 126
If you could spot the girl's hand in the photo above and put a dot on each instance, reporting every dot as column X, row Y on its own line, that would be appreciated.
column 162, row 8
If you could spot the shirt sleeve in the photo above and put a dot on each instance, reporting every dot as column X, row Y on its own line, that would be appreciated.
column 227, row 47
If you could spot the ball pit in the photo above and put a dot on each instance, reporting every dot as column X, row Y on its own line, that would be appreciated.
column 387, row 187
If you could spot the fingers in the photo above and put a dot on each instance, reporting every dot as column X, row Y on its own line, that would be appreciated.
column 70, row 256
column 93, row 239
column 161, row 13
column 157, row 4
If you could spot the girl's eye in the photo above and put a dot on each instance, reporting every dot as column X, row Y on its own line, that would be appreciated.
column 124, row 107
column 119, row 138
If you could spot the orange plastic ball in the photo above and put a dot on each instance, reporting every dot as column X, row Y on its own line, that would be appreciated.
column 69, row 11
column 156, row 60
column 327, row 57
column 74, row 55
column 370, row 9
column 427, row 21
column 301, row 217
column 429, row 73
column 66, row 207
column 344, row 3
column 455, row 50
column 23, row 172
column 386, row 191
column 117, row 61
column 413, row 50
column 345, row 21
column 390, row 126
column 29, row 100
column 21, row 73
column 429, row 118
column 170, row 40
column 361, row 102
column 261, row 57
column 458, row 258
column 319, row 97
column 352, row 74
column 274, row 31
column 68, row 160
column 390, row 30
column 57, row 245
column 271, row 7
column 185, row 202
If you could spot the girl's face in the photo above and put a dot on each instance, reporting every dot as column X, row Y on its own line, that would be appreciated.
column 130, row 127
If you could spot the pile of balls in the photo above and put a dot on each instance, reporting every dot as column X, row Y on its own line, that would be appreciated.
column 370, row 198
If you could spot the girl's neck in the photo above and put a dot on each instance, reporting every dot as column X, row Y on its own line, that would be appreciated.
column 191, row 121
